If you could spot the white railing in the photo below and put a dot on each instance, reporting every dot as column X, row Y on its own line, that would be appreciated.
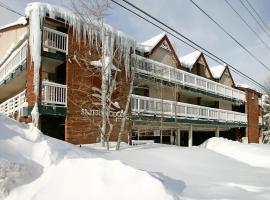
column 55, row 40
column 14, row 104
column 158, row 107
column 54, row 93
column 171, row 74
column 18, row 57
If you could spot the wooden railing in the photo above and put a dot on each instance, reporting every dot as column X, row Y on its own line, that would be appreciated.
column 152, row 106
column 54, row 93
column 55, row 40
column 171, row 74
column 12, row 105
column 18, row 57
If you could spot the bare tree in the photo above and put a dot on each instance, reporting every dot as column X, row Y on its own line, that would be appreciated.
column 106, row 67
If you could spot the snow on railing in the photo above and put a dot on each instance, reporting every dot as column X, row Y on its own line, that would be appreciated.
column 55, row 40
column 18, row 57
column 166, row 108
column 12, row 105
column 171, row 74
column 54, row 93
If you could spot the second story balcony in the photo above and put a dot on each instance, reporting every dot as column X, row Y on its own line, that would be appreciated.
column 54, row 41
column 15, row 61
column 157, row 70
column 147, row 106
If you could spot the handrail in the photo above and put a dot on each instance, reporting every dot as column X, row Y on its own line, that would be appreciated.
column 172, row 74
column 55, row 40
column 14, row 104
column 17, row 58
column 54, row 93
column 154, row 106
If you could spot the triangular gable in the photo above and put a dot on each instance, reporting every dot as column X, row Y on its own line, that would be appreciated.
column 150, row 46
column 189, row 61
column 220, row 71
column 227, row 71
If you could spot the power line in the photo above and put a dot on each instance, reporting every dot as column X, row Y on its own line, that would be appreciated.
column 10, row 9
column 194, row 45
column 258, row 36
column 255, row 18
column 227, row 33
column 258, row 15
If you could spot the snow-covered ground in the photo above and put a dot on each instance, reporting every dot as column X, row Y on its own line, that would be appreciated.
column 34, row 166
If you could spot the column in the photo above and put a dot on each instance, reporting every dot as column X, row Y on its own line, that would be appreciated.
column 138, row 135
column 171, row 137
column 190, row 135
column 217, row 132
column 178, row 137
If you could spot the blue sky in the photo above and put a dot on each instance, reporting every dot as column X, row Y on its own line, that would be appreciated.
column 184, row 17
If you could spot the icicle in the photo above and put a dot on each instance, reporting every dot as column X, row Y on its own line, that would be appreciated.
column 35, row 115
column 88, row 32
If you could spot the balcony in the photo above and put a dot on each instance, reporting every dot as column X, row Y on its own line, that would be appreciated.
column 148, row 106
column 13, row 105
column 55, row 41
column 167, row 73
column 15, row 60
column 53, row 94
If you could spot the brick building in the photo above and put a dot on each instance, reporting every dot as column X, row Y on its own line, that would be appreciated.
column 175, row 100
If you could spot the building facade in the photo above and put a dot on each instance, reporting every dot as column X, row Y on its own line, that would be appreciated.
column 179, row 101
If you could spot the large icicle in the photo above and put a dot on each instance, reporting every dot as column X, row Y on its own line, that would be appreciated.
column 88, row 32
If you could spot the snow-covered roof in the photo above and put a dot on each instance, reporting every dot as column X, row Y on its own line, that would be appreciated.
column 189, row 60
column 217, row 71
column 89, row 31
column 246, row 87
column 148, row 45
column 20, row 21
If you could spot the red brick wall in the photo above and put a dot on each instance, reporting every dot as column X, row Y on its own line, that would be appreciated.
column 80, row 79
column 253, row 110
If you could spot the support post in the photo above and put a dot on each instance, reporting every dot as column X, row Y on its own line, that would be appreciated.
column 161, row 135
column 217, row 132
column 171, row 137
column 190, row 135
column 138, row 135
column 178, row 137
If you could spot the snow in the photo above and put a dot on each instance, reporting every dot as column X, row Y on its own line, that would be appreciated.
column 148, row 45
column 20, row 21
column 189, row 60
column 246, row 87
column 217, row 71
column 201, row 173
column 89, row 32
column 252, row 154
column 34, row 166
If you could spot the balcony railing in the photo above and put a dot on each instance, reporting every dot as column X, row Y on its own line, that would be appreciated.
column 16, row 59
column 171, row 74
column 54, row 93
column 55, row 40
column 13, row 105
column 152, row 106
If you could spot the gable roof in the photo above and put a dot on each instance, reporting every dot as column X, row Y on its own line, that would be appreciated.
column 149, row 46
column 190, row 59
column 217, row 71
column 19, row 22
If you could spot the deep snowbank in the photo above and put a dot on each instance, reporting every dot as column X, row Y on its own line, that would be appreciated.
column 257, row 155
column 34, row 166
